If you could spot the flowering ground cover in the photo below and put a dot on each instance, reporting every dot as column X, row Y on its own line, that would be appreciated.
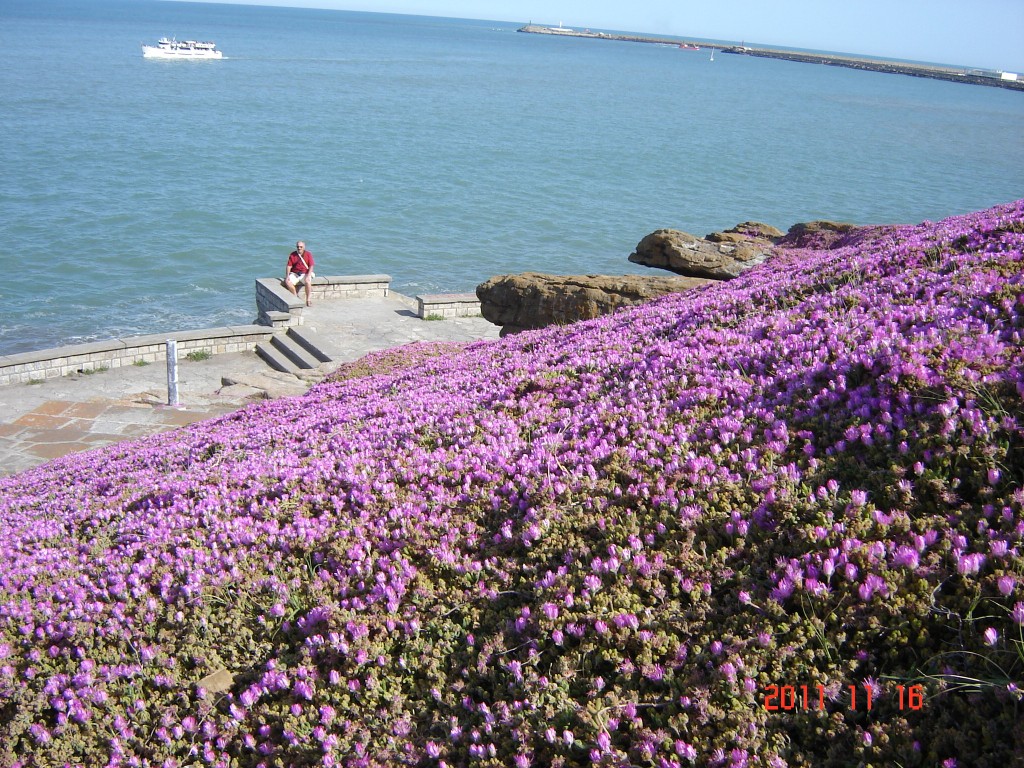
column 771, row 522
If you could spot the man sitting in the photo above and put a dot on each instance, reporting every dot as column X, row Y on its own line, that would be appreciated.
column 299, row 270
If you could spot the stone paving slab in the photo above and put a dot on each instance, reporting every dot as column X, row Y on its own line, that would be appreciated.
column 41, row 436
column 82, row 410
column 49, row 451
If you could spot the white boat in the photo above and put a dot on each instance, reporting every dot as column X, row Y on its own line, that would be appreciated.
column 181, row 49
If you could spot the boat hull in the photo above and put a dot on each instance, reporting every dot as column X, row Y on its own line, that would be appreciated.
column 149, row 52
column 188, row 49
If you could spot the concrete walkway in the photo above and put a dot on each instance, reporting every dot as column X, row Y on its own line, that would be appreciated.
column 39, row 422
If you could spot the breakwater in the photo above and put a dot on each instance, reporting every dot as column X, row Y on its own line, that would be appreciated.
column 934, row 71
column 567, row 32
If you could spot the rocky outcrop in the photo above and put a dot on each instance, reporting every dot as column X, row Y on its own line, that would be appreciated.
column 822, row 235
column 719, row 256
column 751, row 230
column 534, row 300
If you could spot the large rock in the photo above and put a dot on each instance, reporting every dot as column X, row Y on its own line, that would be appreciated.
column 821, row 235
column 719, row 256
column 534, row 300
column 751, row 230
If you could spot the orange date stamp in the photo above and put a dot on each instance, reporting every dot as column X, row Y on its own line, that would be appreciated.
column 810, row 698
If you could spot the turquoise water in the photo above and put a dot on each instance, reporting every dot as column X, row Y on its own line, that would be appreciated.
column 142, row 196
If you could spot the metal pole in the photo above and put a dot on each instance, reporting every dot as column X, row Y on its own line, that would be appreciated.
column 172, row 373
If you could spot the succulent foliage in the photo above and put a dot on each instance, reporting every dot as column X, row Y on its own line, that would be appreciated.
column 600, row 544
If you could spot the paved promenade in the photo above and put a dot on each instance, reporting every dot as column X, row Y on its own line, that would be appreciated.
column 43, row 421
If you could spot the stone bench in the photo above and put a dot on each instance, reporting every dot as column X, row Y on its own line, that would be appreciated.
column 277, row 307
column 441, row 305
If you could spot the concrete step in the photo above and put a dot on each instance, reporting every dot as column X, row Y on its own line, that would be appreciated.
column 287, row 345
column 319, row 346
column 275, row 358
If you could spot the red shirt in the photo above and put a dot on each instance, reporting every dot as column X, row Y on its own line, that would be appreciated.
column 295, row 263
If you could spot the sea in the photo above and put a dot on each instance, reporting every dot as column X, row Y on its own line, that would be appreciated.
column 145, row 196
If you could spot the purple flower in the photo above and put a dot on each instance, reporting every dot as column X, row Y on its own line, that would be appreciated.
column 970, row 564
column 249, row 696
column 685, row 751
column 1005, row 584
column 873, row 583
column 906, row 557
column 783, row 590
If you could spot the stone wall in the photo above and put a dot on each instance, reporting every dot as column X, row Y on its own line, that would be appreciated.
column 26, row 367
column 276, row 307
column 434, row 306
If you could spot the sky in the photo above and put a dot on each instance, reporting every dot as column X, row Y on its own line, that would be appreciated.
column 973, row 33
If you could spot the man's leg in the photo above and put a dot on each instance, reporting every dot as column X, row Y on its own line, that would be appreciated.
column 309, row 285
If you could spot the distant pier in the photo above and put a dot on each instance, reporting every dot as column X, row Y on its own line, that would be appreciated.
column 567, row 32
column 992, row 78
